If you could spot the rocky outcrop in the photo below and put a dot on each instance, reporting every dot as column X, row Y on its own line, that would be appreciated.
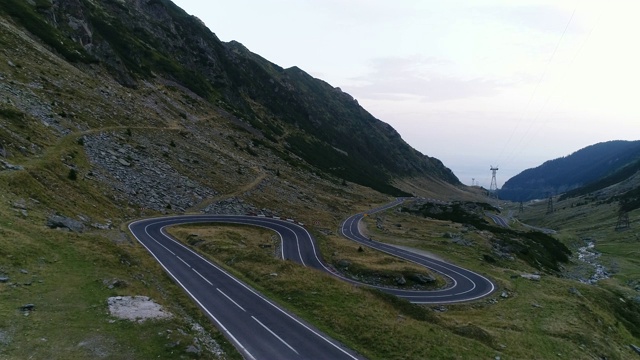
column 136, row 308
column 62, row 222
column 139, row 176
column 4, row 165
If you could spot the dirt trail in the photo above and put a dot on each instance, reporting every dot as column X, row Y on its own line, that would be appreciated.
column 247, row 187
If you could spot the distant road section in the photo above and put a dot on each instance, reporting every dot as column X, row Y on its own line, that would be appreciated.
column 466, row 285
column 259, row 328
column 499, row 220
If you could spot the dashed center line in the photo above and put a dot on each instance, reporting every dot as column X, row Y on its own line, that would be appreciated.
column 203, row 278
column 274, row 334
column 230, row 299
column 179, row 258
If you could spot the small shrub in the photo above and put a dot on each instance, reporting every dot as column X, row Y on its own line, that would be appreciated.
column 73, row 174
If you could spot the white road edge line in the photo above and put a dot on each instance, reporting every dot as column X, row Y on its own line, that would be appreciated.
column 274, row 334
column 230, row 299
column 222, row 327
column 252, row 290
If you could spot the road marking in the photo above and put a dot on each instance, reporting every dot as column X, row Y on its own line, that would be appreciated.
column 179, row 258
column 166, row 248
column 215, row 319
column 274, row 334
column 230, row 299
column 203, row 278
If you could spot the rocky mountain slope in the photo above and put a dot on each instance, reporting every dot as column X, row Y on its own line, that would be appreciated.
column 141, row 42
column 581, row 168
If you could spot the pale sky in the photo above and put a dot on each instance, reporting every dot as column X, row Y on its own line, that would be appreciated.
column 473, row 83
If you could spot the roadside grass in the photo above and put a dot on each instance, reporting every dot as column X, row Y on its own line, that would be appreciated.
column 578, row 220
column 371, row 266
column 540, row 320
column 372, row 323
column 67, row 275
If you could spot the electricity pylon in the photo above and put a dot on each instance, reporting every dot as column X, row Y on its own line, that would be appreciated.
column 494, row 183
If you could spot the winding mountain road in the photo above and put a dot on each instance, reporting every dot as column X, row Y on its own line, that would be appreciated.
column 259, row 328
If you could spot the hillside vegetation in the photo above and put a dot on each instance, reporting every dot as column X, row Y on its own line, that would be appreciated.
column 157, row 41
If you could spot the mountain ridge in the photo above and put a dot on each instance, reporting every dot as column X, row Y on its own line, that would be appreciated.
column 570, row 172
column 325, row 126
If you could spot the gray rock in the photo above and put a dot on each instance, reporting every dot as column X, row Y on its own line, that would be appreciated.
column 27, row 307
column 58, row 221
column 24, row 271
column 4, row 279
column 461, row 241
column 8, row 166
column 533, row 277
column 124, row 162
column 422, row 279
column 20, row 204
column 343, row 263
column 400, row 280
column 504, row 295
column 192, row 349
column 635, row 348
column 574, row 291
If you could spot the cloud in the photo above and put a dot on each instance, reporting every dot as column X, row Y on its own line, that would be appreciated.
column 419, row 78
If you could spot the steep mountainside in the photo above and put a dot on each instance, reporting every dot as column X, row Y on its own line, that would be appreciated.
column 583, row 167
column 622, row 186
column 154, row 40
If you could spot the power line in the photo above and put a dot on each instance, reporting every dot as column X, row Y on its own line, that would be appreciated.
column 522, row 143
column 542, row 76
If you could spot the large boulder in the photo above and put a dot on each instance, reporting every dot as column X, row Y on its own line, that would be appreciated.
column 422, row 279
column 59, row 221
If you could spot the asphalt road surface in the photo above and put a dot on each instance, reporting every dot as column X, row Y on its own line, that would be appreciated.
column 256, row 326
column 465, row 285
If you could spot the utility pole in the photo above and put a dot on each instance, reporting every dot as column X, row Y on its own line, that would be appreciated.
column 473, row 181
column 493, row 188
column 521, row 209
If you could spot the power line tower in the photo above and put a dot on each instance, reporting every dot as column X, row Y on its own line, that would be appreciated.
column 623, row 220
column 493, row 188
column 623, row 217
column 550, row 205
column 521, row 208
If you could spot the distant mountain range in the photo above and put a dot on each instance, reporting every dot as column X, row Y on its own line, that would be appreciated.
column 592, row 167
